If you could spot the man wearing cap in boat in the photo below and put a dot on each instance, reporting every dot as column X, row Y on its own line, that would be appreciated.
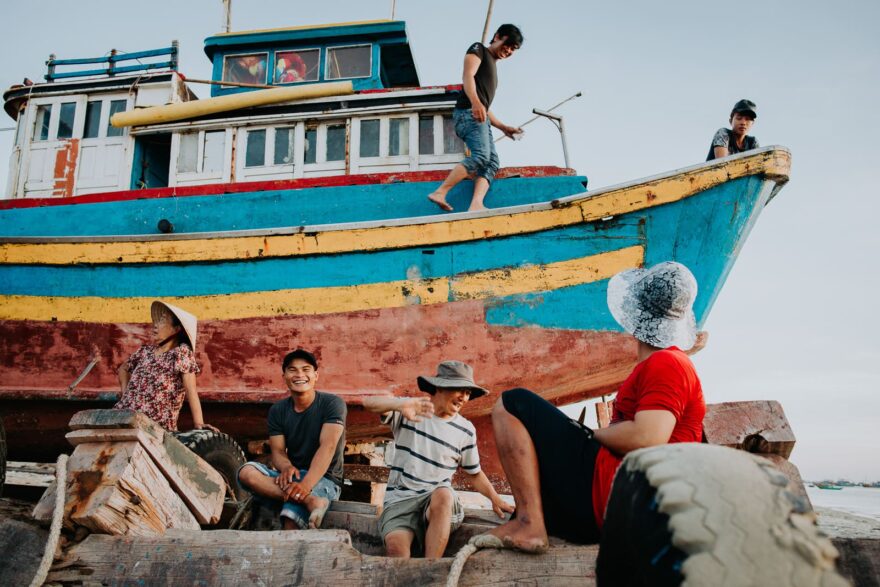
column 306, row 438
column 431, row 441
column 728, row 141
column 473, row 119
column 559, row 470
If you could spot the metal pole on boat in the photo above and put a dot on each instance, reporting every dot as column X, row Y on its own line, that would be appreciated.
column 393, row 6
column 557, row 120
column 227, row 16
column 534, row 118
column 488, row 18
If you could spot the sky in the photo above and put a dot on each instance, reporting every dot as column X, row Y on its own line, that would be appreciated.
column 795, row 322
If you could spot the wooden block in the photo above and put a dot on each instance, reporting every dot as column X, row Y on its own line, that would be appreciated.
column 198, row 483
column 755, row 426
column 112, row 419
column 115, row 488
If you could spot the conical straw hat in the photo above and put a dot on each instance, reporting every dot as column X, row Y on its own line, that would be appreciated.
column 187, row 320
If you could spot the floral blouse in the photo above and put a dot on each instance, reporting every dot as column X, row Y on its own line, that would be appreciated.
column 156, row 385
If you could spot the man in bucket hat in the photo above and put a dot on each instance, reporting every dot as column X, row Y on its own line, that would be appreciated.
column 559, row 470
column 431, row 441
column 729, row 141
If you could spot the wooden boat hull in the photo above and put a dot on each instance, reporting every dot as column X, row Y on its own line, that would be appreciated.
column 518, row 292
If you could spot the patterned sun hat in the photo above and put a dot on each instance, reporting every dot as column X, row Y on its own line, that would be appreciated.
column 655, row 305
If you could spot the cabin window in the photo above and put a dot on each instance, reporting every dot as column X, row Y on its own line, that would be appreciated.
column 349, row 62
column 398, row 136
column 188, row 155
column 311, row 146
column 451, row 142
column 255, row 153
column 245, row 69
column 93, row 120
column 370, row 138
column 115, row 106
column 336, row 142
column 296, row 66
column 426, row 135
column 284, row 146
column 215, row 147
column 66, row 118
column 41, row 128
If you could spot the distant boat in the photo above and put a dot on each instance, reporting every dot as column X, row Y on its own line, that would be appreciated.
column 829, row 486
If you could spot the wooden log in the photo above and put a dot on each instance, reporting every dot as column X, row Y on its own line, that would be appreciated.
column 197, row 482
column 234, row 558
column 755, row 426
column 115, row 488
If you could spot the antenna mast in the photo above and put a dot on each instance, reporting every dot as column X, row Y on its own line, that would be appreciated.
column 227, row 16
column 488, row 18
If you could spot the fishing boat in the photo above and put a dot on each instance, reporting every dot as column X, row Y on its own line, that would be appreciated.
column 831, row 486
column 289, row 210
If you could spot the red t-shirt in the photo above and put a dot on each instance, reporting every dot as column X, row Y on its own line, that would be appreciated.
column 667, row 381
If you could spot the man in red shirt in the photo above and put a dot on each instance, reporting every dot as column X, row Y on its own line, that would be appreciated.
column 560, row 471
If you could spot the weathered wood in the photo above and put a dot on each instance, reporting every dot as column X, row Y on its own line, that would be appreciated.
column 859, row 560
column 792, row 472
column 275, row 558
column 756, row 426
column 199, row 484
column 354, row 472
column 22, row 547
column 115, row 488
column 111, row 419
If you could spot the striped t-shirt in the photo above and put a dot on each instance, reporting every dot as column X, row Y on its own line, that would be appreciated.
column 425, row 455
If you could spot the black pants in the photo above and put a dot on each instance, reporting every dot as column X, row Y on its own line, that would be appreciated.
column 566, row 459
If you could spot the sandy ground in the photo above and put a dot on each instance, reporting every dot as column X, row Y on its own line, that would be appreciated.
column 839, row 524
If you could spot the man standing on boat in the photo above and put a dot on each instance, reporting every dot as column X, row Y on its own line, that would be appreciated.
column 307, row 438
column 560, row 472
column 473, row 119
column 729, row 141
column 431, row 441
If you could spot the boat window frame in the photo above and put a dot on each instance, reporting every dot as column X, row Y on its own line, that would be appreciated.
column 321, row 166
column 329, row 48
column 223, row 175
column 270, row 170
column 440, row 155
column 265, row 81
column 385, row 162
column 318, row 71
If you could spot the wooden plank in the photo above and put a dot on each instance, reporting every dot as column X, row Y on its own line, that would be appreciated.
column 115, row 488
column 372, row 474
column 198, row 483
column 276, row 558
column 755, row 426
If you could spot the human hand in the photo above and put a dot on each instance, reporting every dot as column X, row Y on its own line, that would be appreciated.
column 510, row 131
column 479, row 112
column 297, row 491
column 203, row 426
column 500, row 507
column 286, row 477
column 416, row 408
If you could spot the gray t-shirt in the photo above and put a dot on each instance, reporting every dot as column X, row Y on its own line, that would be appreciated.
column 302, row 431
column 724, row 138
column 486, row 78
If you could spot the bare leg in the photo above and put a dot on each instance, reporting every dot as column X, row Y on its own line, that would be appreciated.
column 439, row 522
column 516, row 450
column 438, row 196
column 481, row 186
column 254, row 480
column 398, row 543
column 317, row 507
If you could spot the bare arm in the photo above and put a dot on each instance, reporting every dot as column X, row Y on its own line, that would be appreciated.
column 195, row 406
column 649, row 428
column 286, row 470
column 471, row 65
column 124, row 376
column 330, row 435
column 412, row 408
column 721, row 152
column 482, row 484
column 507, row 130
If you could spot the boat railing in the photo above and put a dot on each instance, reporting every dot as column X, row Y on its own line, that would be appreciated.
column 111, row 60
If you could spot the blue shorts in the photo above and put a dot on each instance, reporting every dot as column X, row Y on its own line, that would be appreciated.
column 297, row 512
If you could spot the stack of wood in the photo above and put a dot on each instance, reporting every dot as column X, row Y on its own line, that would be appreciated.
column 128, row 476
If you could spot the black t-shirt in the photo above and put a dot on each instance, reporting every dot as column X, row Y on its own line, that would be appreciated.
column 486, row 77
column 724, row 138
column 302, row 431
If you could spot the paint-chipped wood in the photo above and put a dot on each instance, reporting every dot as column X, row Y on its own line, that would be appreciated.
column 281, row 558
column 755, row 426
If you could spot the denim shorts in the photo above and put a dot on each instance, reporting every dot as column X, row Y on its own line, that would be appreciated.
column 483, row 160
column 297, row 512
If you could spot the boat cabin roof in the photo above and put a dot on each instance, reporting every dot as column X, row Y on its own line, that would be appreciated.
column 372, row 54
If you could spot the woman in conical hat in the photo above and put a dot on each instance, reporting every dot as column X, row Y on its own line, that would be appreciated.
column 157, row 377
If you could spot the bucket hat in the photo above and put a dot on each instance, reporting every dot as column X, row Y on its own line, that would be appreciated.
column 656, row 305
column 187, row 320
column 745, row 106
column 452, row 375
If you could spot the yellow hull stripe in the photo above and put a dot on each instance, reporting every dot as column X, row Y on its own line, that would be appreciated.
column 774, row 164
column 329, row 300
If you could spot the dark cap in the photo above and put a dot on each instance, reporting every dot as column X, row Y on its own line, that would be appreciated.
column 299, row 354
column 744, row 106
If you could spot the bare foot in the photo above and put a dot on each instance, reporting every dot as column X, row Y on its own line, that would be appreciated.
column 476, row 208
column 440, row 200
column 317, row 514
column 520, row 536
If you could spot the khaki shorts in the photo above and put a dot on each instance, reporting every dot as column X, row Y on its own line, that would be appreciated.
column 412, row 514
